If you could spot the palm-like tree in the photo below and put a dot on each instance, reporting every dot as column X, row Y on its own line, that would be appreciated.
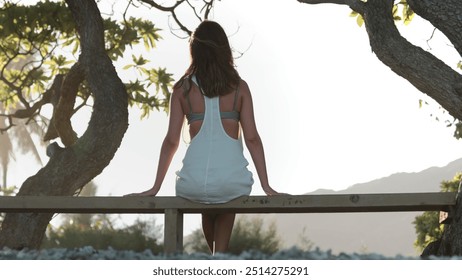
column 21, row 135
column 5, row 152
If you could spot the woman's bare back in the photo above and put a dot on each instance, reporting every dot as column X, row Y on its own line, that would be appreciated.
column 196, row 98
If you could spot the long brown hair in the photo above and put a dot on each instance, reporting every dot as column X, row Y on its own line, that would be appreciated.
column 211, row 61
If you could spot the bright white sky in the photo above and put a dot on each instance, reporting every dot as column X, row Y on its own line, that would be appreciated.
column 330, row 114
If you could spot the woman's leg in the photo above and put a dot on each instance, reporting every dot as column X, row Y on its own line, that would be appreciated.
column 222, row 233
column 208, row 227
column 217, row 230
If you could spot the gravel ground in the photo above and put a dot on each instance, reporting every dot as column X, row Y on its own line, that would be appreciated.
column 89, row 253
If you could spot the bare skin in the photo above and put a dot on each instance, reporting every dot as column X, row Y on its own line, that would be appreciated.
column 217, row 227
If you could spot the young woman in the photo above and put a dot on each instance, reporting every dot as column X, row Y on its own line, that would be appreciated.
column 216, row 103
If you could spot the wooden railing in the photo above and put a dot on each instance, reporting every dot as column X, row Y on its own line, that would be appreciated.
column 175, row 207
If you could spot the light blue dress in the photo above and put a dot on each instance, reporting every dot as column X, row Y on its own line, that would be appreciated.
column 214, row 167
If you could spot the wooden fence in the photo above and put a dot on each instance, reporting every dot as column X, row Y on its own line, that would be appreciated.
column 175, row 207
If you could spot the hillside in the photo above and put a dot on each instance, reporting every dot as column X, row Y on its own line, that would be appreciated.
column 384, row 233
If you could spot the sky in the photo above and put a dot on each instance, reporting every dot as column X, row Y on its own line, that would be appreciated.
column 330, row 114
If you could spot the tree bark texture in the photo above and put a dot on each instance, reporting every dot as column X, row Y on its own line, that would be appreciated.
column 426, row 72
column 423, row 70
column 70, row 168
column 446, row 15
column 64, row 109
column 451, row 242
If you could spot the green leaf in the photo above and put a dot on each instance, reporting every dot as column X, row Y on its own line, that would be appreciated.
column 353, row 14
column 140, row 60
column 128, row 66
column 408, row 13
column 395, row 10
column 360, row 20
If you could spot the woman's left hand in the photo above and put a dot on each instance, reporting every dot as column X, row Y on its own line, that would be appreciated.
column 151, row 192
column 270, row 191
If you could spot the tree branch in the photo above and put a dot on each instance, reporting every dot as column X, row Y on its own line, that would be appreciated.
column 182, row 27
column 171, row 10
column 10, row 121
column 355, row 5
column 422, row 69
column 163, row 8
column 208, row 5
column 446, row 15
column 47, row 97
column 65, row 107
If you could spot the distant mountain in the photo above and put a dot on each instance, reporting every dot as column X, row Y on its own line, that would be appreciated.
column 389, row 234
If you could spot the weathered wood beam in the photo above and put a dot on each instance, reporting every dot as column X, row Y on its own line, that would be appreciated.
column 380, row 202
column 173, row 231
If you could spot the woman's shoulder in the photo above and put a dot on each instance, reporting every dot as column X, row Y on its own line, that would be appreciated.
column 244, row 87
column 182, row 86
column 182, row 82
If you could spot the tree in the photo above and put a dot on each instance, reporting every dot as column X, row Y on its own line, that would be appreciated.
column 32, row 37
column 248, row 234
column 71, row 168
column 423, row 70
column 427, row 226
column 37, row 32
column 21, row 134
column 101, row 234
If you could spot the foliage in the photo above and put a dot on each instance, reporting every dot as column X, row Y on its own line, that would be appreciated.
column 401, row 12
column 6, row 191
column 443, row 116
column 251, row 235
column 304, row 243
column 40, row 42
column 427, row 226
column 22, row 137
column 98, row 231
column 100, row 234
column 428, row 229
column 248, row 234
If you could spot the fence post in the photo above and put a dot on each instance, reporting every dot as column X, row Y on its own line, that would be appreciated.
column 173, row 231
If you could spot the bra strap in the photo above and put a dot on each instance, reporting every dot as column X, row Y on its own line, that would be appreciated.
column 187, row 94
column 235, row 97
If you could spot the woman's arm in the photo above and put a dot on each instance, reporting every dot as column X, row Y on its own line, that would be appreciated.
column 170, row 143
column 252, row 138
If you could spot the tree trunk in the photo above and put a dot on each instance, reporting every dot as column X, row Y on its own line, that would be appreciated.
column 446, row 15
column 69, row 169
column 451, row 242
column 423, row 70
